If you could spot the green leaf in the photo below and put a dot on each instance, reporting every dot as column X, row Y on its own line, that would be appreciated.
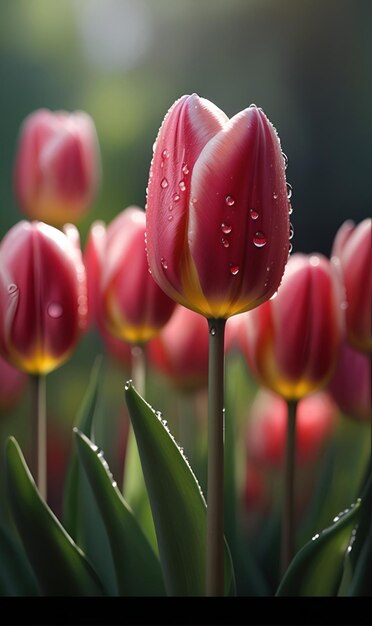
column 178, row 506
column 317, row 568
column 360, row 554
column 137, row 567
column 16, row 576
column 58, row 563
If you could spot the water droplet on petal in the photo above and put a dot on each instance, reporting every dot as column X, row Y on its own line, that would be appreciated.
column 226, row 228
column 259, row 240
column 164, row 183
column 225, row 242
column 291, row 231
column 275, row 195
column 164, row 263
column 182, row 185
column 290, row 209
column 176, row 197
column 12, row 288
column 274, row 295
column 55, row 310
column 185, row 169
column 285, row 160
column 170, row 217
column 165, row 154
column 230, row 201
column 253, row 213
column 149, row 270
column 212, row 331
column 234, row 269
column 289, row 190
column 290, row 249
column 252, row 106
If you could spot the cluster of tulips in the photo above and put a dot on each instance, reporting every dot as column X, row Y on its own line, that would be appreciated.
column 213, row 246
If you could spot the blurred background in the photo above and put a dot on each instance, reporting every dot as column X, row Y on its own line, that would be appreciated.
column 306, row 63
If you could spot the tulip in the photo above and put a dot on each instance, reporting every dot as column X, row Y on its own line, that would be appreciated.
column 181, row 350
column 266, row 433
column 43, row 305
column 350, row 385
column 217, row 222
column 292, row 341
column 57, row 166
column 352, row 250
column 12, row 385
column 217, row 208
column 126, row 300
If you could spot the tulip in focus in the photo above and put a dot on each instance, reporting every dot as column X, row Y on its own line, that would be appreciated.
column 217, row 208
column 350, row 385
column 266, row 435
column 12, row 384
column 292, row 341
column 352, row 249
column 43, row 307
column 57, row 167
column 125, row 299
column 181, row 350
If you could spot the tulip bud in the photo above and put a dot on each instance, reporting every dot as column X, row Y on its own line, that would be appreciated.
column 12, row 385
column 291, row 342
column 266, row 434
column 57, row 166
column 181, row 350
column 350, row 385
column 43, row 305
column 217, row 208
column 352, row 249
column 126, row 300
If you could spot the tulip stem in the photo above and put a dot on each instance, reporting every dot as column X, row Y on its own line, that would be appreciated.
column 39, row 432
column 215, row 511
column 288, row 526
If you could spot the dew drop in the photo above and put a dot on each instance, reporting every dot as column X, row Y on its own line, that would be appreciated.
column 230, row 201
column 289, row 190
column 259, row 240
column 234, row 269
column 164, row 263
column 212, row 331
column 253, row 213
column 128, row 384
column 170, row 217
column 149, row 270
column 55, row 310
column 275, row 195
column 285, row 160
column 176, row 197
column 225, row 242
column 165, row 154
column 291, row 231
column 290, row 249
column 164, row 183
column 182, row 185
column 12, row 288
column 253, row 106
column 226, row 228
column 290, row 209
column 315, row 537
column 185, row 169
column 274, row 296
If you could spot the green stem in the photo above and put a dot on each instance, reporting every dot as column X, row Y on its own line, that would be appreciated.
column 39, row 432
column 288, row 525
column 215, row 512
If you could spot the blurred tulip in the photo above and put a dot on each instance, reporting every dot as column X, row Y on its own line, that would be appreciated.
column 266, row 434
column 11, row 386
column 292, row 342
column 123, row 295
column 350, row 385
column 43, row 305
column 352, row 249
column 57, row 167
column 181, row 350
column 217, row 208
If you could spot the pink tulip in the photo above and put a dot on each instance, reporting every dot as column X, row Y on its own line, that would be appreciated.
column 43, row 305
column 266, row 434
column 57, row 167
column 126, row 300
column 292, row 341
column 181, row 350
column 352, row 249
column 217, row 208
column 350, row 385
column 12, row 384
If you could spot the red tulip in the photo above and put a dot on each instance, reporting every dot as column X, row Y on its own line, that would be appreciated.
column 217, row 208
column 266, row 435
column 352, row 249
column 350, row 385
column 57, row 166
column 291, row 342
column 126, row 300
column 43, row 304
column 12, row 384
column 181, row 349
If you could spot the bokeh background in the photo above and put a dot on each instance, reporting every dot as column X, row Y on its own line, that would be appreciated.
column 307, row 63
